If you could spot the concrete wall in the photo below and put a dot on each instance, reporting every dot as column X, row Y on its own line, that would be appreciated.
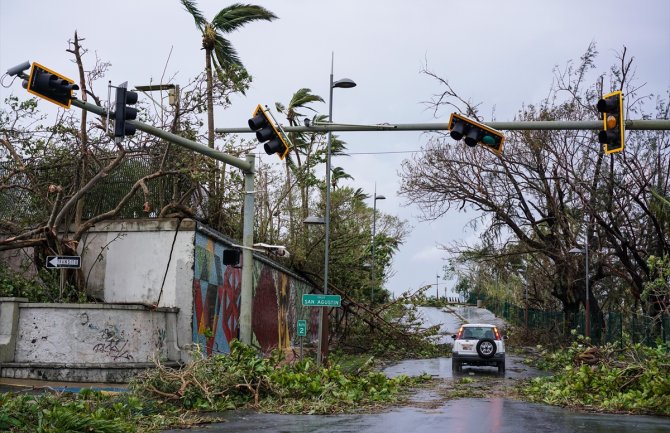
column 277, row 306
column 9, row 325
column 84, row 342
column 91, row 333
column 182, row 295
column 143, row 261
column 172, row 264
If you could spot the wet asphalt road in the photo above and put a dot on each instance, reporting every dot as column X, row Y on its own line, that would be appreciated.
column 427, row 412
column 441, row 368
column 494, row 415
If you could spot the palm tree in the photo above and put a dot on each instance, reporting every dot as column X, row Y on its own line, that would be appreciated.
column 302, row 146
column 218, row 50
column 220, row 53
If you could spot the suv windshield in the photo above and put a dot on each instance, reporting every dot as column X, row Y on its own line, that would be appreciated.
column 478, row 332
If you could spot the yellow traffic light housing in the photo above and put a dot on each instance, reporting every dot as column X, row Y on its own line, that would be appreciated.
column 50, row 85
column 612, row 135
column 268, row 133
column 475, row 133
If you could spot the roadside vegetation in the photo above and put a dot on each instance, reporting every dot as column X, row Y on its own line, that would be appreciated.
column 88, row 411
column 611, row 378
column 167, row 397
column 44, row 286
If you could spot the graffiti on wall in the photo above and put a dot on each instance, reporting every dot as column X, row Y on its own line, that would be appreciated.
column 216, row 298
column 276, row 305
column 108, row 340
column 113, row 345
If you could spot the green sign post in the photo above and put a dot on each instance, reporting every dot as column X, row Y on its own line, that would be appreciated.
column 315, row 300
column 302, row 328
column 302, row 332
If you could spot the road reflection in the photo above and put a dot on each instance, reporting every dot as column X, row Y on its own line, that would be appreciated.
column 441, row 368
column 468, row 415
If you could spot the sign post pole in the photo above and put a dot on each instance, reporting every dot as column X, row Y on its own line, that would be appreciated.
column 302, row 332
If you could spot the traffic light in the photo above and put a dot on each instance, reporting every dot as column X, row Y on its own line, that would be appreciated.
column 231, row 257
column 612, row 135
column 122, row 112
column 268, row 133
column 475, row 133
column 50, row 85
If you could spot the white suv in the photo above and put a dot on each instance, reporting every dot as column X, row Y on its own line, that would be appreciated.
column 478, row 344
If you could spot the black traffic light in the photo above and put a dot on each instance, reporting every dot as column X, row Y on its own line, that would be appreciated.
column 122, row 112
column 475, row 133
column 612, row 135
column 50, row 85
column 268, row 133
column 231, row 257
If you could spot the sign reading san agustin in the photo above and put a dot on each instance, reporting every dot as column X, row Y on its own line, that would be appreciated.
column 312, row 300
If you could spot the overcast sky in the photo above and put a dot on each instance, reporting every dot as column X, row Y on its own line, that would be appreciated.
column 497, row 52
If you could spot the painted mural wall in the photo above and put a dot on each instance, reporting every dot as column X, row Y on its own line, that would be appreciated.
column 216, row 299
column 277, row 306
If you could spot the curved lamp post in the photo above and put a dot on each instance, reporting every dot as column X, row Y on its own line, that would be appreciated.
column 344, row 83
column 374, row 233
column 587, row 306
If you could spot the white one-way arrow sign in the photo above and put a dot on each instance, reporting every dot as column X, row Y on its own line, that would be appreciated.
column 72, row 262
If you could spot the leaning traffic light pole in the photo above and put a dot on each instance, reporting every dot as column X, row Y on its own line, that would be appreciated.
column 248, row 167
column 59, row 91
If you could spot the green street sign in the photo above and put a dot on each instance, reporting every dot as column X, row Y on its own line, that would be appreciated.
column 312, row 300
column 302, row 328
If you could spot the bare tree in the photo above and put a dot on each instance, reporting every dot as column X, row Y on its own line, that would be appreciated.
column 549, row 188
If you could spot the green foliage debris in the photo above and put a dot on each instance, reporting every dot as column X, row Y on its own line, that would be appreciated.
column 166, row 397
column 243, row 379
column 633, row 379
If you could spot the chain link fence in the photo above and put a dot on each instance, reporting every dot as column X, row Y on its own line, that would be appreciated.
column 26, row 202
column 616, row 327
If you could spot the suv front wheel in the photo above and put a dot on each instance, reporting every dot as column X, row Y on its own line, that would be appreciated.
column 486, row 348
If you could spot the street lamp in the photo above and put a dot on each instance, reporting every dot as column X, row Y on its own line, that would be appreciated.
column 313, row 220
column 344, row 83
column 374, row 233
column 587, row 312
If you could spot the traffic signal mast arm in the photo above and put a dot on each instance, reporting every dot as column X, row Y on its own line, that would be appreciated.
column 172, row 138
column 542, row 125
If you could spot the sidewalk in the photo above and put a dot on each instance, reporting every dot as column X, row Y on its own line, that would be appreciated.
column 30, row 386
